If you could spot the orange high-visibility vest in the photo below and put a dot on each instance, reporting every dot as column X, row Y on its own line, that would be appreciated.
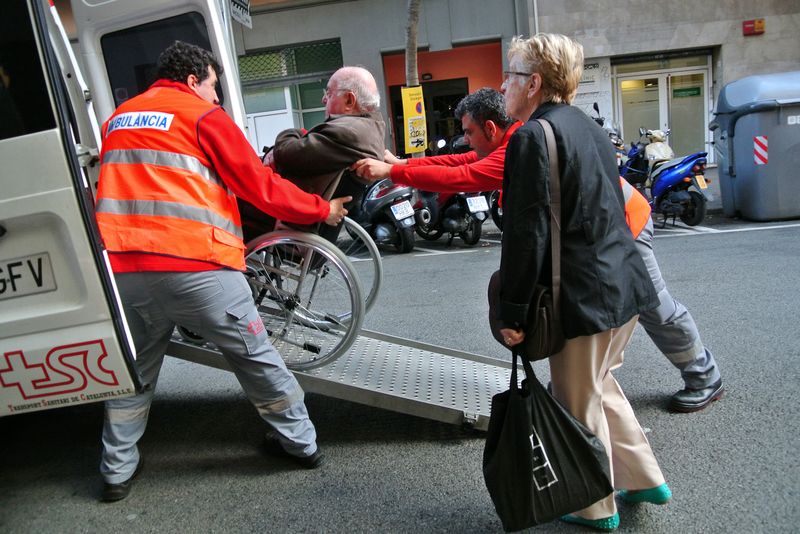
column 158, row 191
column 637, row 209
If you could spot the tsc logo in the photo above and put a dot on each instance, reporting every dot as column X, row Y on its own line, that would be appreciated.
column 255, row 327
column 65, row 369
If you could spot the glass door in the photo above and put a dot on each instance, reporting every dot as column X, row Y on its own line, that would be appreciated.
column 666, row 101
column 687, row 118
column 640, row 105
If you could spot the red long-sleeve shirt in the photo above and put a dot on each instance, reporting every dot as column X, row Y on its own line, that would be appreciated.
column 456, row 173
column 241, row 170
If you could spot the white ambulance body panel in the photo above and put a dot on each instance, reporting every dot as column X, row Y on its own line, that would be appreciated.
column 62, row 334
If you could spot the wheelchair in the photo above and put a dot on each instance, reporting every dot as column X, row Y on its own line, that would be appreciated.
column 311, row 292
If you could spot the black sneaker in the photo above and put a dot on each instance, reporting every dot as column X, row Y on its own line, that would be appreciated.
column 273, row 447
column 117, row 492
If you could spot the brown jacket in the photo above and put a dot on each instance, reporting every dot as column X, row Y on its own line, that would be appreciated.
column 318, row 161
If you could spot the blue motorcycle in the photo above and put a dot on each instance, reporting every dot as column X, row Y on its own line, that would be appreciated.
column 674, row 187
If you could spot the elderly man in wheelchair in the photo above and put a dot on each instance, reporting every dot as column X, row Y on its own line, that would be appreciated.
column 311, row 297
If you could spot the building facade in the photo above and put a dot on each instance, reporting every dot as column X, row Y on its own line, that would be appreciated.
column 650, row 64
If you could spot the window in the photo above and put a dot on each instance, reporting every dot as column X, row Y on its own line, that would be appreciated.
column 264, row 99
column 131, row 55
column 313, row 112
column 292, row 61
column 290, row 79
column 24, row 102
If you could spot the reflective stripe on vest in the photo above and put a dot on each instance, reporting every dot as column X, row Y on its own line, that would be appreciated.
column 637, row 209
column 164, row 159
column 159, row 208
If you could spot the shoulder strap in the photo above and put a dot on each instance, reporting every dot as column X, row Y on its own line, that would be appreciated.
column 555, row 214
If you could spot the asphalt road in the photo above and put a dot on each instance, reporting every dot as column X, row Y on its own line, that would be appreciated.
column 732, row 467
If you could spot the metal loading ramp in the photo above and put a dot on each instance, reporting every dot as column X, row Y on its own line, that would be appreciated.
column 396, row 374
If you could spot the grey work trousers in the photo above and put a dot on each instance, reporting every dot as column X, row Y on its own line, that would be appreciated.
column 219, row 306
column 671, row 326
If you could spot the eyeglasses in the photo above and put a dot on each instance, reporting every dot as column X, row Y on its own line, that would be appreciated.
column 507, row 73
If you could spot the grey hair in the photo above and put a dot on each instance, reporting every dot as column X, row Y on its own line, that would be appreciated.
column 361, row 83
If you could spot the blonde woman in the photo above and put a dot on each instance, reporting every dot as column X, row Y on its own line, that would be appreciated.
column 604, row 283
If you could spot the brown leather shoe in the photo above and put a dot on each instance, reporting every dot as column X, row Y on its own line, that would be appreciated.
column 117, row 492
column 693, row 400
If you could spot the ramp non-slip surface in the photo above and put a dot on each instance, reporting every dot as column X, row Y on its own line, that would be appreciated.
column 397, row 374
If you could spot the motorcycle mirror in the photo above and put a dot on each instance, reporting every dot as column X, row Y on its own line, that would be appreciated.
column 641, row 131
column 459, row 144
column 596, row 108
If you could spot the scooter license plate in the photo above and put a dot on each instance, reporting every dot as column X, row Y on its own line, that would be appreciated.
column 477, row 203
column 701, row 181
column 401, row 210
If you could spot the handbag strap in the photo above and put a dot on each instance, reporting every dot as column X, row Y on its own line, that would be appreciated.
column 555, row 214
column 525, row 364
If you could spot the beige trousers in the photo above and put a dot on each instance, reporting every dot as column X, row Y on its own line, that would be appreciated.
column 583, row 384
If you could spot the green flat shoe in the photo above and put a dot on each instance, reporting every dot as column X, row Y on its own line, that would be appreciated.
column 658, row 495
column 606, row 524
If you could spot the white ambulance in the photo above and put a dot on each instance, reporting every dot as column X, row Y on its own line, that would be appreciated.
column 63, row 338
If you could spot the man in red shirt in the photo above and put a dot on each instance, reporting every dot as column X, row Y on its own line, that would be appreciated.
column 172, row 165
column 487, row 130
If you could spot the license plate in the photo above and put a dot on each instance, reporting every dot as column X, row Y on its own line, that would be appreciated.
column 701, row 181
column 26, row 276
column 401, row 210
column 477, row 203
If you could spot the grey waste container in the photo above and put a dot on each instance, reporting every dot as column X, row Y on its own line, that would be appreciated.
column 757, row 138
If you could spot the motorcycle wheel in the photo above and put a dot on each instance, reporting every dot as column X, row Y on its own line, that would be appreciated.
column 496, row 210
column 694, row 212
column 405, row 240
column 472, row 234
column 429, row 232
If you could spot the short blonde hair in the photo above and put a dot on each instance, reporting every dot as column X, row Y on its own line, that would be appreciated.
column 556, row 58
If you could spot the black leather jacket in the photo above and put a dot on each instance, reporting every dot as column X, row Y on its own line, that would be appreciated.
column 604, row 281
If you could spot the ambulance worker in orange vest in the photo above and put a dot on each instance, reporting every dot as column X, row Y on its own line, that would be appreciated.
column 172, row 164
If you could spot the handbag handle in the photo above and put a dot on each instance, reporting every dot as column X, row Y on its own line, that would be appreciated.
column 555, row 215
column 526, row 365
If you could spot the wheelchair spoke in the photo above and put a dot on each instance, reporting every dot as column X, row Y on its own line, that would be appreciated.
column 303, row 288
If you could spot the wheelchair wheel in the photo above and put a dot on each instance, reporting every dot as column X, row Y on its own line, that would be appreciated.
column 308, row 295
column 190, row 336
column 365, row 257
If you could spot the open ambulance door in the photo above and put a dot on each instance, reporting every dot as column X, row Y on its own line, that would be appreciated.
column 63, row 337
column 120, row 41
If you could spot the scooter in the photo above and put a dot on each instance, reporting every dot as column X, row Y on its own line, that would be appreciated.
column 458, row 214
column 673, row 186
column 495, row 209
column 387, row 214
column 613, row 135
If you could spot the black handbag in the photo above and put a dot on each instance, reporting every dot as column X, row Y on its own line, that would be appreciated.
column 544, row 333
column 539, row 462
